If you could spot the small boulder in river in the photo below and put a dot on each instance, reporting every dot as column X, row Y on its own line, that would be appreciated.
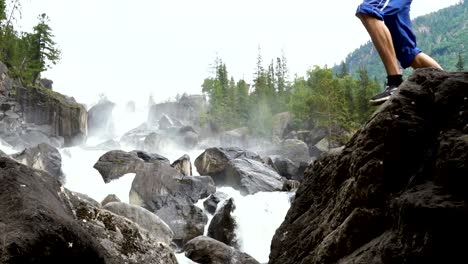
column 214, row 160
column 183, row 165
column 211, row 204
column 222, row 226
column 207, row 250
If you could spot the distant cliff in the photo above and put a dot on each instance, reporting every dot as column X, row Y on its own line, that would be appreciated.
column 32, row 115
column 397, row 192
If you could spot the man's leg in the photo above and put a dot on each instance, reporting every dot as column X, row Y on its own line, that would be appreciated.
column 423, row 60
column 382, row 41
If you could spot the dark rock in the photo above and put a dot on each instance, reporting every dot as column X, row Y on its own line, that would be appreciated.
column 290, row 185
column 206, row 250
column 100, row 121
column 295, row 150
column 397, row 192
column 211, row 204
column 116, row 163
column 85, row 198
column 214, row 160
column 285, row 167
column 43, row 157
column 312, row 137
column 183, row 165
column 41, row 222
column 249, row 176
column 157, row 228
column 150, row 157
column 109, row 199
column 222, row 226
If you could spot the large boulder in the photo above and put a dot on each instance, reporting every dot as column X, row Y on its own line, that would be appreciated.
column 214, row 160
column 157, row 228
column 206, row 250
column 116, row 163
column 222, row 226
column 43, row 157
column 42, row 222
column 235, row 138
column 249, row 177
column 285, row 167
column 100, row 121
column 162, row 189
column 281, row 124
column 295, row 150
column 397, row 192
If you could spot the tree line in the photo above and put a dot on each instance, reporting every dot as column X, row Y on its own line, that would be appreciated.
column 26, row 54
column 321, row 98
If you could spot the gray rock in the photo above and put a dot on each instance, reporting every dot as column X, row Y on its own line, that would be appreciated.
column 235, row 138
column 183, row 165
column 43, row 157
column 165, row 122
column 156, row 227
column 285, row 167
column 295, row 150
column 249, row 176
column 163, row 190
column 215, row 160
column 210, row 251
column 281, row 124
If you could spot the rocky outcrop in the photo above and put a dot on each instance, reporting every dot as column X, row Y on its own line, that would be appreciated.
column 222, row 226
column 100, row 121
column 109, row 199
column 41, row 222
column 206, row 250
column 43, row 157
column 397, row 192
column 62, row 115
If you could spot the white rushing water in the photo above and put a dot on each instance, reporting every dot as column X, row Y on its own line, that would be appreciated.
column 257, row 216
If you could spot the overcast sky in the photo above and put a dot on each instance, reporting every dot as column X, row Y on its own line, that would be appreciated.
column 127, row 49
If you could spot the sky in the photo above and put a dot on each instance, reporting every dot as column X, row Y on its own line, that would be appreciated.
column 129, row 49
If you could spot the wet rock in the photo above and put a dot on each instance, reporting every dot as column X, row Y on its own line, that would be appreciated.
column 222, row 226
column 235, row 138
column 210, row 251
column 211, row 204
column 285, row 167
column 165, row 122
column 397, row 192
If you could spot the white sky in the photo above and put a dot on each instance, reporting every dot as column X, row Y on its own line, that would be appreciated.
column 129, row 49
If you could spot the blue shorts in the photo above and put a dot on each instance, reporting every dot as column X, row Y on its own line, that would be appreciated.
column 395, row 15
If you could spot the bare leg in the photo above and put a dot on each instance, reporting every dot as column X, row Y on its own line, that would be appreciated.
column 382, row 40
column 423, row 60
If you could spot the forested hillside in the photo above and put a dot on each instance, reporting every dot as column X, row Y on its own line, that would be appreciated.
column 442, row 34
